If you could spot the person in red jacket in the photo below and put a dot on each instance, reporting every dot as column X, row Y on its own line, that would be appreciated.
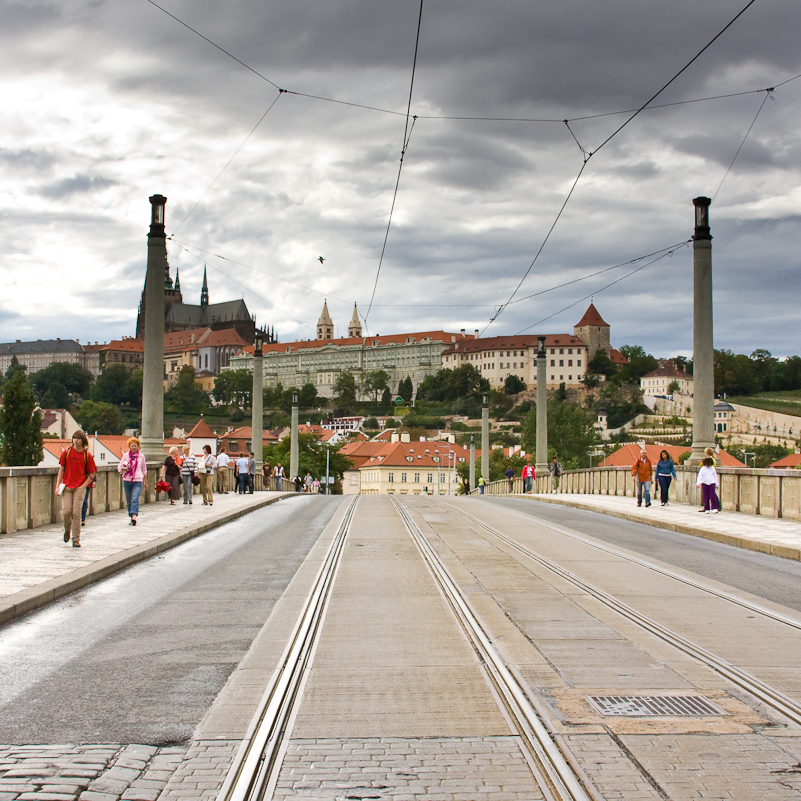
column 643, row 472
column 76, row 471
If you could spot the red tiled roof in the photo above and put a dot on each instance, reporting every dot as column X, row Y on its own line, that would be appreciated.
column 391, row 339
column 627, row 454
column 793, row 460
column 323, row 433
column 55, row 446
column 617, row 357
column 226, row 336
column 591, row 317
column 669, row 370
column 415, row 454
column 202, row 430
column 126, row 345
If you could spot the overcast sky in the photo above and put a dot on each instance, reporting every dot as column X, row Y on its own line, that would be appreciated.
column 106, row 103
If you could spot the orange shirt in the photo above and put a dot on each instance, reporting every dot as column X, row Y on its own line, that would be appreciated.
column 76, row 466
column 643, row 470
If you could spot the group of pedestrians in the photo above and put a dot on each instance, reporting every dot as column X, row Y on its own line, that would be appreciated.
column 184, row 471
column 707, row 479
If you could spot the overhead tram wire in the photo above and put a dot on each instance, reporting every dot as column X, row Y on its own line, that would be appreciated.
column 407, row 134
column 768, row 93
column 589, row 154
column 228, row 163
column 603, row 288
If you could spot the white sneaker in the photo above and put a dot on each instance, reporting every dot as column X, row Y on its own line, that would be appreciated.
column 707, row 511
column 714, row 511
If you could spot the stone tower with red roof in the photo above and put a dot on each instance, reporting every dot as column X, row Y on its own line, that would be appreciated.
column 593, row 332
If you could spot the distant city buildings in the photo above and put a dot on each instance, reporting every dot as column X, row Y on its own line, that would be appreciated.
column 658, row 382
column 36, row 355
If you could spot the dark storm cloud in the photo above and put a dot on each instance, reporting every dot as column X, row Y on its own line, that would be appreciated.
column 66, row 187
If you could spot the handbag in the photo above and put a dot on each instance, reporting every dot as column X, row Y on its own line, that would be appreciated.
column 201, row 468
column 195, row 479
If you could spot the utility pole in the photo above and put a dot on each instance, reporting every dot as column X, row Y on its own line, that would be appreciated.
column 293, row 441
column 703, row 348
column 541, row 466
column 257, row 402
column 485, row 448
column 472, row 462
column 153, row 367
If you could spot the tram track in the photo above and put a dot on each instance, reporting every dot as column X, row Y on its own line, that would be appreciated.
column 764, row 692
column 255, row 768
column 561, row 779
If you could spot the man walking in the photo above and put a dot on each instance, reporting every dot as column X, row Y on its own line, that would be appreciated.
column 643, row 471
column 76, row 471
column 510, row 477
column 222, row 472
column 251, row 472
column 555, row 469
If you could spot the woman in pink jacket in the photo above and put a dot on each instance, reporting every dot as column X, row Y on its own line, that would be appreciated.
column 133, row 468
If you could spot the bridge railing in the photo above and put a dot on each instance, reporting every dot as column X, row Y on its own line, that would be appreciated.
column 771, row 493
column 28, row 500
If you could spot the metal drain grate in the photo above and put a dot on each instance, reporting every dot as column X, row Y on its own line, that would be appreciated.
column 648, row 706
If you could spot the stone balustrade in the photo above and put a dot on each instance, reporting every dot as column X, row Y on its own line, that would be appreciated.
column 28, row 499
column 771, row 493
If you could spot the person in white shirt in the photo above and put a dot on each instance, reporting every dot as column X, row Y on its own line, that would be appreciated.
column 222, row 472
column 708, row 481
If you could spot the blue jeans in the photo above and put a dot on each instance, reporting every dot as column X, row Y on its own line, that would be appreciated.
column 85, row 507
column 480, row 489
column 664, row 487
column 133, row 490
column 243, row 482
column 278, row 483
column 646, row 485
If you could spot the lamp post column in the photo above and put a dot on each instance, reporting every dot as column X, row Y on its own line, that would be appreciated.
column 472, row 478
column 485, row 447
column 293, row 442
column 153, row 367
column 703, row 347
column 541, row 465
column 257, row 403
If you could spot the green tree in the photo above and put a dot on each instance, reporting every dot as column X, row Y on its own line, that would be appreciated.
column 307, row 397
column 232, row 386
column 104, row 418
column 73, row 378
column 601, row 364
column 115, row 385
column 187, row 396
column 374, row 383
column 20, row 421
column 763, row 454
column 345, row 390
column 571, row 434
column 513, row 385
column 640, row 363
column 56, row 397
column 406, row 389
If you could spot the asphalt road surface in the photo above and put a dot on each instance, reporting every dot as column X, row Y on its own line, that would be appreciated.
column 770, row 577
column 140, row 657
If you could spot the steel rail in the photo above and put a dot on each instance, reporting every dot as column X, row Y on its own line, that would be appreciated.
column 563, row 783
column 611, row 549
column 256, row 762
column 765, row 692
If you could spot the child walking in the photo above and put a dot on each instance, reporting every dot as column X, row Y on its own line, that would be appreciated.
column 708, row 481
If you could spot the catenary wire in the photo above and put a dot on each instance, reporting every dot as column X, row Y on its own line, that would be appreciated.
column 588, row 156
column 598, row 291
column 407, row 134
column 768, row 93
column 227, row 163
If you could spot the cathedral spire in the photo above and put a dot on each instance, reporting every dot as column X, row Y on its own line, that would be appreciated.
column 325, row 325
column 355, row 327
column 177, row 280
column 204, row 292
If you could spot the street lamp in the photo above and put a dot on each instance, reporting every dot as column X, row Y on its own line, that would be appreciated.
column 257, row 402
column 485, row 471
column 293, row 442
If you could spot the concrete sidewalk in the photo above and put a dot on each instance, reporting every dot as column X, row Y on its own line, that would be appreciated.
column 754, row 532
column 37, row 566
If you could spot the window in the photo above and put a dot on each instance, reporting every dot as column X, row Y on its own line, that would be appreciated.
column 430, row 478
column 391, row 478
column 442, row 478
column 578, row 363
column 233, row 445
column 570, row 350
column 435, row 458
column 569, row 362
column 553, row 364
column 416, row 478
column 403, row 478
column 561, row 350
column 561, row 362
column 553, row 351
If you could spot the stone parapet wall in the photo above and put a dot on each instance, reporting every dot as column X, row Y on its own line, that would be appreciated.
column 770, row 493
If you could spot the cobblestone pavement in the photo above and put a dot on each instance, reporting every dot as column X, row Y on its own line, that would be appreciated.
column 203, row 772
column 434, row 769
column 86, row 772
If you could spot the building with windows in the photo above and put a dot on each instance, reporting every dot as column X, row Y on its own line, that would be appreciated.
column 496, row 358
column 658, row 382
column 204, row 350
column 723, row 416
column 321, row 361
column 44, row 352
column 404, row 468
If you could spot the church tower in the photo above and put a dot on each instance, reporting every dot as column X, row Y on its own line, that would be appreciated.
column 355, row 327
column 325, row 325
column 204, row 292
column 593, row 332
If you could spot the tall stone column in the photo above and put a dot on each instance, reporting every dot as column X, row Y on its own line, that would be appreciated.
column 293, row 442
column 257, row 402
column 703, row 348
column 485, row 443
column 541, row 465
column 153, row 367
column 472, row 476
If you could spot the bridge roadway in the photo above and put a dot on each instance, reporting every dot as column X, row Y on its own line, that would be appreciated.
column 395, row 702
